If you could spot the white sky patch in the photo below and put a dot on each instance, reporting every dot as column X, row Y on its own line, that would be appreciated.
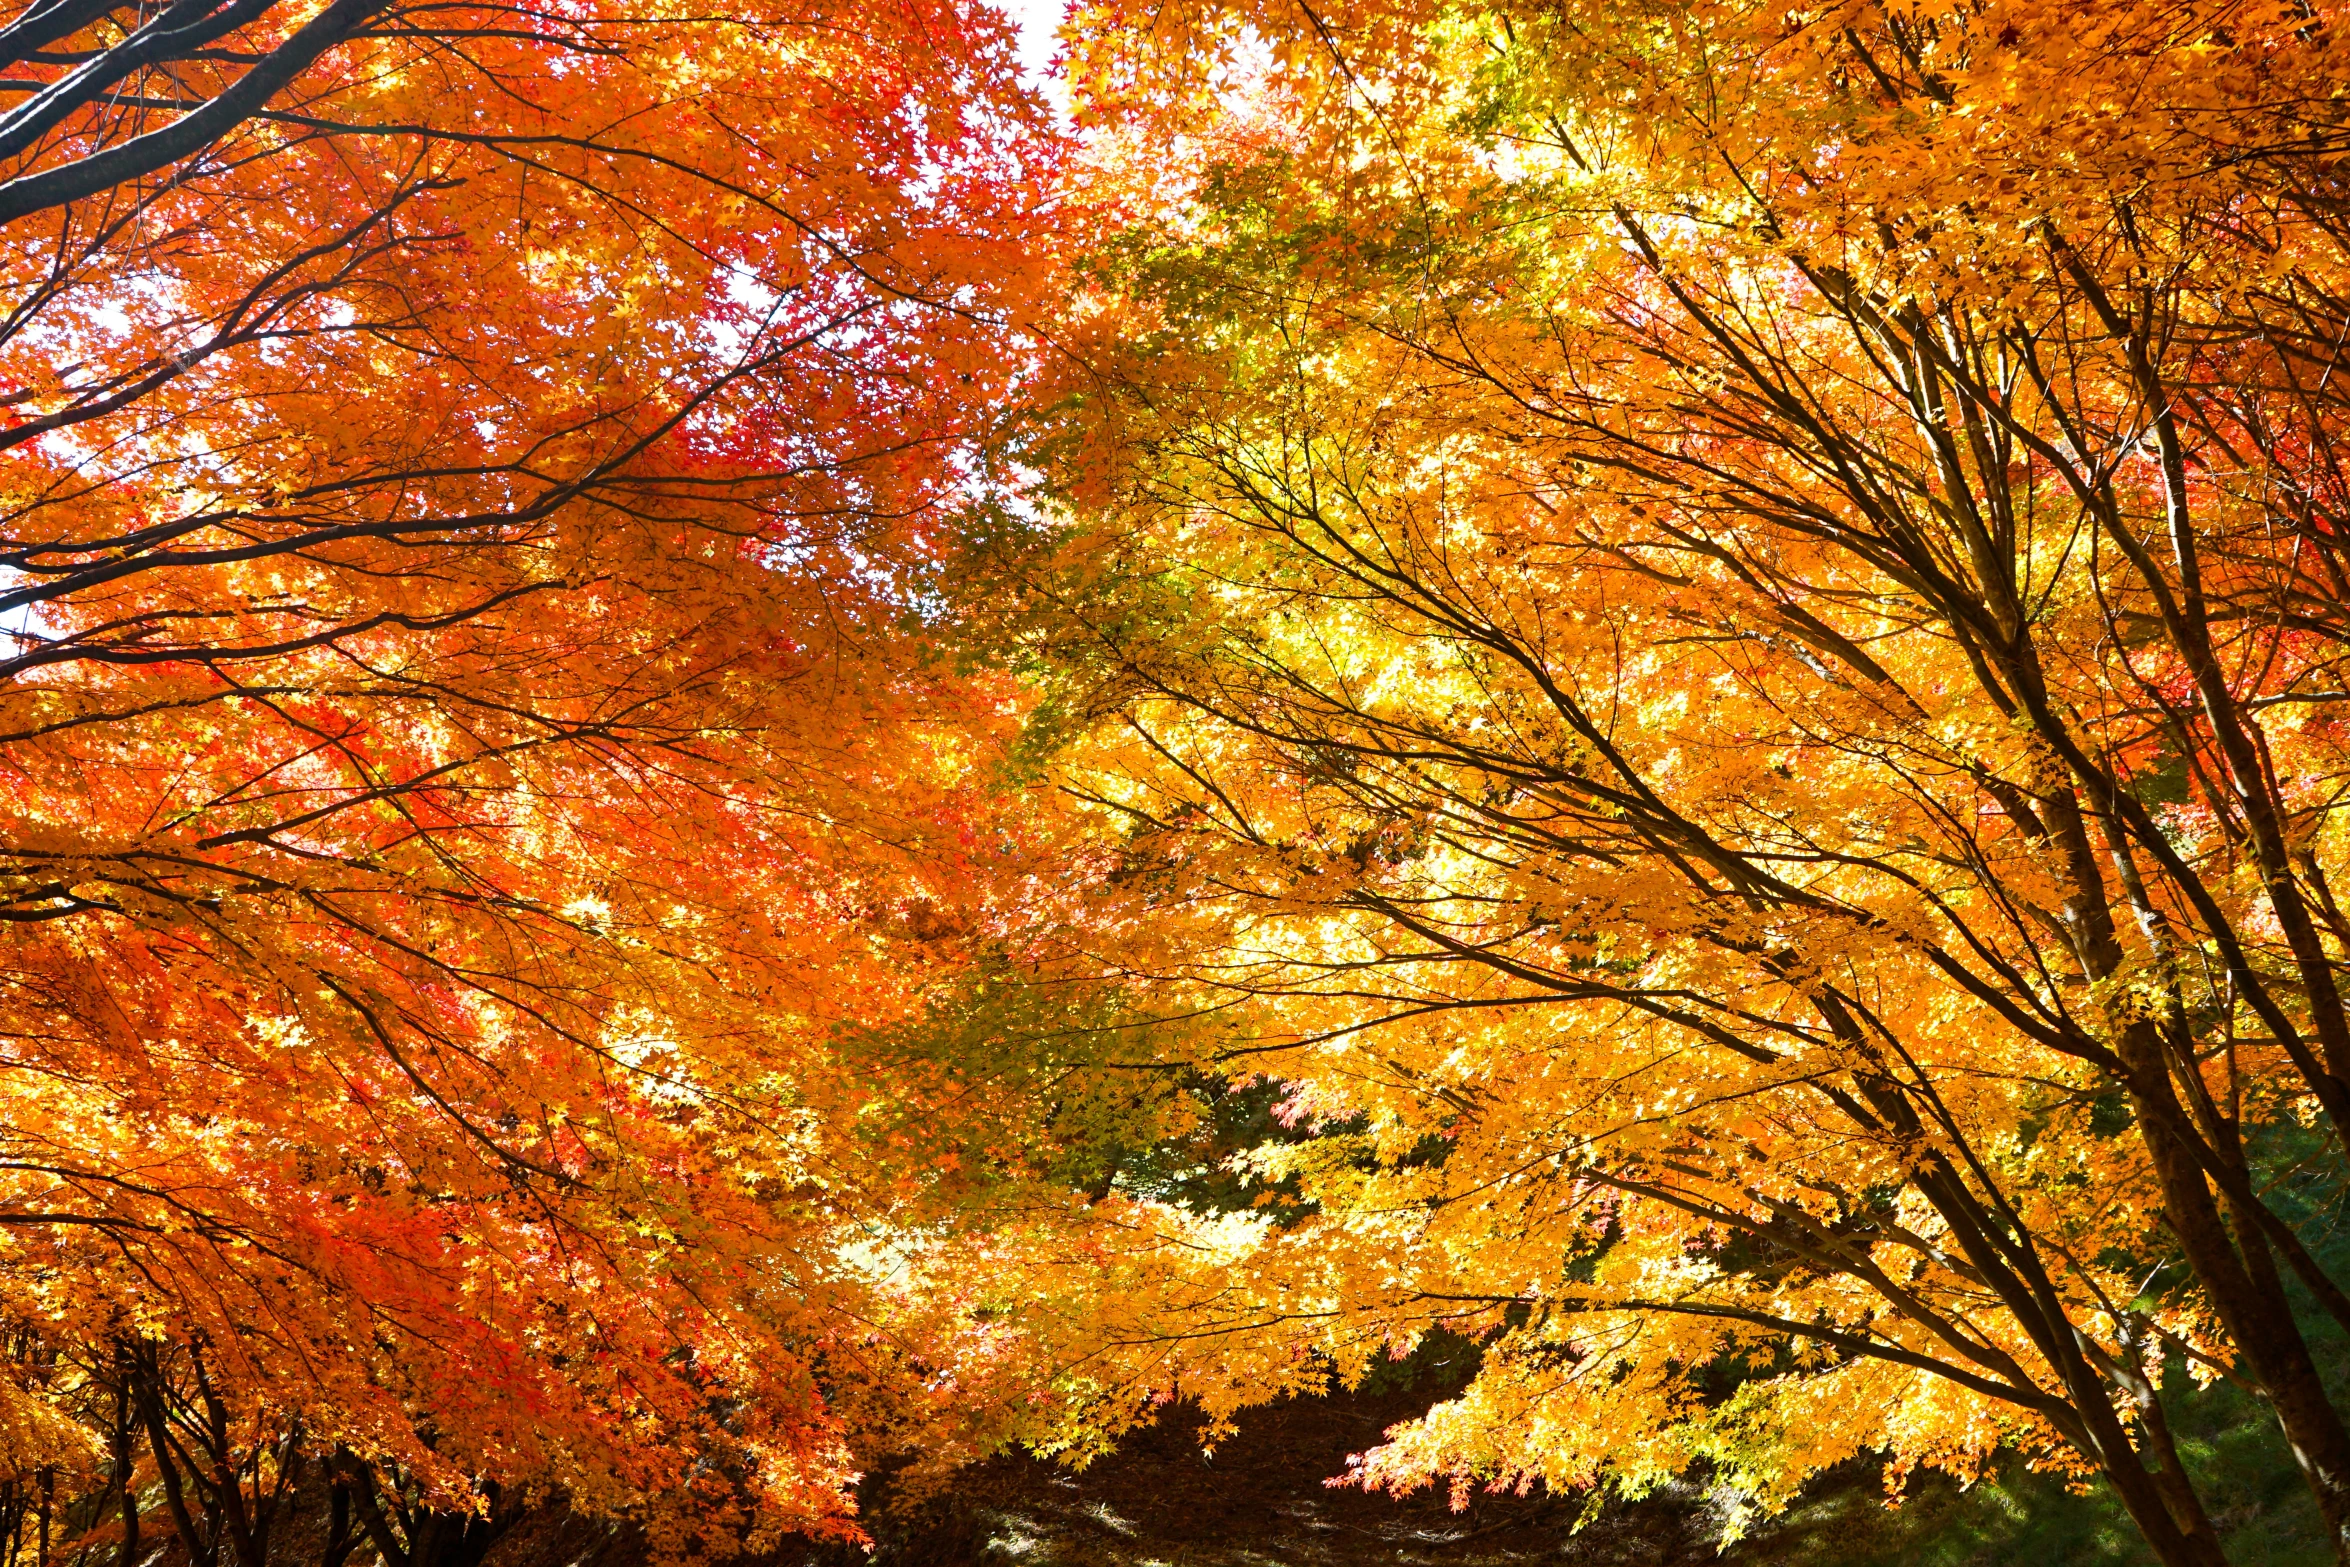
column 23, row 625
column 1039, row 22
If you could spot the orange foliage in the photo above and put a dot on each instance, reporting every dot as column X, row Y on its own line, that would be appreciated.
column 474, row 735
column 1718, row 634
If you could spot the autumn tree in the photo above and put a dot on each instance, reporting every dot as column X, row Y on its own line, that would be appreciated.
column 477, row 483
column 1719, row 632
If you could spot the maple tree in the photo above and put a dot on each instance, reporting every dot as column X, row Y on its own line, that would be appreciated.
column 477, row 483
column 1718, row 634
column 1701, row 666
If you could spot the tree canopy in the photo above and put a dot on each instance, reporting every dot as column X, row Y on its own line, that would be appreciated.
column 472, row 740
column 1717, row 634
column 724, row 756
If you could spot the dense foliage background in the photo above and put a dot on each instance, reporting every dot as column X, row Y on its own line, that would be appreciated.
column 1602, row 739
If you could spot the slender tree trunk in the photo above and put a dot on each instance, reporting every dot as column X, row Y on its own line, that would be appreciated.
column 2176, row 1486
column 341, row 1539
column 2144, row 1497
column 175, row 1501
column 126, row 1486
column 2239, row 1277
column 394, row 1551
column 2237, row 1272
